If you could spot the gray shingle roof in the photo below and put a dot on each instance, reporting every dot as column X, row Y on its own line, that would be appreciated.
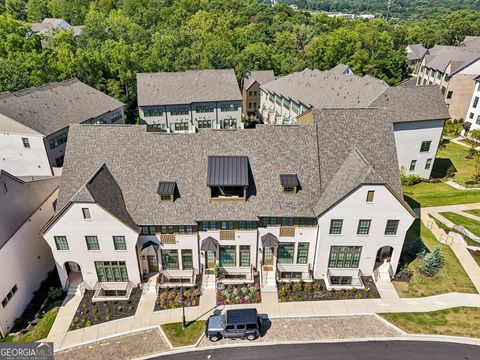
column 407, row 103
column 327, row 89
column 173, row 88
column 52, row 107
column 440, row 56
column 262, row 77
column 227, row 171
column 136, row 160
column 417, row 52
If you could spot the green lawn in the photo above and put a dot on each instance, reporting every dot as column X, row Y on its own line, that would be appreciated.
column 41, row 330
column 451, row 278
column 180, row 337
column 454, row 154
column 475, row 212
column 437, row 194
column 461, row 321
column 471, row 225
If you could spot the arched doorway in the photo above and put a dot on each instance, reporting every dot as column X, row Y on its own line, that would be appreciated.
column 384, row 254
column 74, row 273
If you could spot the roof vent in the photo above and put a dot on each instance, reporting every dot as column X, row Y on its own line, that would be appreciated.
column 166, row 190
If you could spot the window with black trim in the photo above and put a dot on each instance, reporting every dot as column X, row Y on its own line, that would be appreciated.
column 336, row 226
column 363, row 227
column 391, row 227
column 425, row 146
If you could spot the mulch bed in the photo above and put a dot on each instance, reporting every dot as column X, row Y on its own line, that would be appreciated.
column 92, row 313
column 317, row 291
column 403, row 276
column 171, row 298
column 239, row 293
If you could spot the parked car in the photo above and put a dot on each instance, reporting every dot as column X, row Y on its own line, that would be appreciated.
column 237, row 324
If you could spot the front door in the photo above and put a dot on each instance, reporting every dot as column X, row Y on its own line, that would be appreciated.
column 268, row 255
column 152, row 263
column 210, row 259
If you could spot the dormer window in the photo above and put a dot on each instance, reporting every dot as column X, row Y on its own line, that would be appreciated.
column 166, row 191
column 289, row 183
column 227, row 177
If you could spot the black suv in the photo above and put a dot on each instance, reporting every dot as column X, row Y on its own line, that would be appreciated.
column 240, row 324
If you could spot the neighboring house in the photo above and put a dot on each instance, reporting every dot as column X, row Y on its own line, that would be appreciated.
column 453, row 69
column 251, row 82
column 415, row 54
column 43, row 114
column 283, row 99
column 189, row 100
column 50, row 25
column 26, row 204
column 330, row 207
column 472, row 121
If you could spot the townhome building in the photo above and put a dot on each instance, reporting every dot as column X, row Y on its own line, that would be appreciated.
column 472, row 121
column 250, row 83
column 190, row 100
column 210, row 205
column 49, row 25
column 453, row 69
column 34, row 123
column 415, row 54
column 26, row 204
column 284, row 99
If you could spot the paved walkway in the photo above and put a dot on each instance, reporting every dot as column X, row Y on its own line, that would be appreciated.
column 458, row 142
column 460, row 187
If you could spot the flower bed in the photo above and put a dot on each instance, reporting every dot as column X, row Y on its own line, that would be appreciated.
column 317, row 291
column 238, row 294
column 171, row 298
column 92, row 313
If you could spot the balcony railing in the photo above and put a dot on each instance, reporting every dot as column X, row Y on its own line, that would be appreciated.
column 167, row 238
column 227, row 234
column 287, row 231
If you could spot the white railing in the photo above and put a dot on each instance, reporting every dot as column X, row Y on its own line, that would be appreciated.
column 102, row 287
column 356, row 280
column 304, row 269
column 177, row 277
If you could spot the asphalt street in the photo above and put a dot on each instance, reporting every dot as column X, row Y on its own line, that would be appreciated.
column 373, row 350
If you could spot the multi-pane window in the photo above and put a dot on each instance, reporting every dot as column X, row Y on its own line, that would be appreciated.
column 92, row 242
column 119, row 243
column 204, row 124
column 449, row 94
column 287, row 221
column 185, row 229
column 302, row 253
column 413, row 164
column 286, row 104
column 370, row 196
column 61, row 242
column 179, row 111
column 306, row 222
column 227, row 225
column 340, row 280
column 363, row 227
column 167, row 229
column 58, row 140
column 208, row 225
column 9, row 296
column 244, row 255
column 86, row 213
column 271, row 98
column 170, row 259
column 165, row 197
column 180, row 126
column 336, row 226
column 152, row 112
column 227, row 256
column 428, row 164
column 148, row 230
column 344, row 256
column 227, row 123
column 204, row 108
column 268, row 221
column 478, row 120
column 187, row 259
column 245, row 225
column 228, row 107
column 471, row 115
column 295, row 108
column 26, row 143
column 391, row 227
column 285, row 253
column 111, row 271
column 425, row 146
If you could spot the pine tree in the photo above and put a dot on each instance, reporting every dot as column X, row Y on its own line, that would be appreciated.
column 432, row 263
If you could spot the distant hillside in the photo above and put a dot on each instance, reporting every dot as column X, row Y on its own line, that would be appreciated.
column 399, row 8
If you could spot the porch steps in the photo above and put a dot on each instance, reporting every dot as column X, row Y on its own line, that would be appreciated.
column 208, row 281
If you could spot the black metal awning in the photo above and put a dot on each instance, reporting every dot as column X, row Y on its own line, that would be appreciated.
column 209, row 244
column 227, row 171
column 289, row 180
column 166, row 187
column 269, row 240
column 149, row 248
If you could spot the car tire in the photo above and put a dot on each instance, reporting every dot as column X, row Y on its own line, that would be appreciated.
column 214, row 338
column 251, row 337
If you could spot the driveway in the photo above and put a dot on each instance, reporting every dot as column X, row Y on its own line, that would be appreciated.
column 382, row 350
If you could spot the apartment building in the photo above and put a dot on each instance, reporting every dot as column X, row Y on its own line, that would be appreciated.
column 453, row 69
column 331, row 207
column 284, row 99
column 190, row 100
column 34, row 123
column 24, row 254
column 250, row 83
column 415, row 54
column 472, row 121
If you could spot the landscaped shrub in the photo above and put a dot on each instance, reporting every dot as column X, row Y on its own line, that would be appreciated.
column 450, row 173
column 432, row 263
column 55, row 293
column 409, row 180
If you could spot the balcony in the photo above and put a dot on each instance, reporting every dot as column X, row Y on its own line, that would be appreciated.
column 227, row 234
column 287, row 231
column 168, row 239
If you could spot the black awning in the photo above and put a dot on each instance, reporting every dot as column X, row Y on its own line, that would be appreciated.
column 166, row 187
column 269, row 240
column 289, row 180
column 149, row 248
column 209, row 244
column 227, row 171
